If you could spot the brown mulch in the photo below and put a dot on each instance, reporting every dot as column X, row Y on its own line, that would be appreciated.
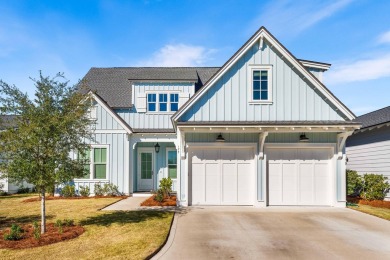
column 151, row 202
column 51, row 236
column 373, row 203
column 71, row 198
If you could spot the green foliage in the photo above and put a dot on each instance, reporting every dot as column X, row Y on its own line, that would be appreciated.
column 59, row 225
column 23, row 190
column 48, row 128
column 354, row 182
column 98, row 190
column 159, row 195
column 166, row 186
column 16, row 233
column 68, row 222
column 84, row 191
column 68, row 191
column 2, row 192
column 37, row 231
column 110, row 189
column 375, row 187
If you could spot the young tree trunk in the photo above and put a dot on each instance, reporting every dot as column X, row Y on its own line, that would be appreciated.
column 43, row 212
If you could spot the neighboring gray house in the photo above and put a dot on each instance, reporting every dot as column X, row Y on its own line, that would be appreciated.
column 260, row 130
column 368, row 149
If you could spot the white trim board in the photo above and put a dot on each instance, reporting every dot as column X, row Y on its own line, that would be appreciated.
column 263, row 34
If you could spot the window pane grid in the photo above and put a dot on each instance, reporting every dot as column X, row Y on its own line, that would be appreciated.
column 260, row 85
column 172, row 164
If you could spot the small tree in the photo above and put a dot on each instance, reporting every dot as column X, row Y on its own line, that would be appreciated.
column 47, row 130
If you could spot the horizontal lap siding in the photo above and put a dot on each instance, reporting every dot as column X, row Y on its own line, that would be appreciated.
column 369, row 152
column 293, row 97
column 152, row 120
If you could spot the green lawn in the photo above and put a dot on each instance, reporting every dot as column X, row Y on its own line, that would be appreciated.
column 130, row 235
column 378, row 212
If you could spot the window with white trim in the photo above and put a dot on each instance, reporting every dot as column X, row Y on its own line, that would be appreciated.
column 172, row 163
column 260, row 78
column 95, row 163
column 163, row 102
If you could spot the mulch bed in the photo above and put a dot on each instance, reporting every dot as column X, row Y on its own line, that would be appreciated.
column 373, row 203
column 151, row 202
column 71, row 198
column 51, row 236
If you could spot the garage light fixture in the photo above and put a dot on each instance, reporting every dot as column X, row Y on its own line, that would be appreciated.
column 157, row 147
column 220, row 138
column 303, row 138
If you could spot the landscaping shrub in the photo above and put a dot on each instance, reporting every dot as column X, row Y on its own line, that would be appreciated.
column 23, row 190
column 354, row 183
column 68, row 191
column 375, row 187
column 59, row 225
column 84, row 191
column 159, row 195
column 2, row 192
column 98, row 190
column 16, row 233
column 68, row 222
column 110, row 189
column 37, row 231
column 166, row 186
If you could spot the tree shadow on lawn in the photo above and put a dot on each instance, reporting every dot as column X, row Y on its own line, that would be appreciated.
column 6, row 222
column 124, row 217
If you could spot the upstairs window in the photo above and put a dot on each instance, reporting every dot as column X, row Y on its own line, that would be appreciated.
column 261, row 85
column 174, row 99
column 163, row 102
column 152, row 102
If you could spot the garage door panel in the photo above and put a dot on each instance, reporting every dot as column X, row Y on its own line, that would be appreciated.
column 229, row 183
column 306, row 181
column 198, row 183
column 227, row 176
column 289, row 184
column 299, row 176
column 322, row 184
column 213, row 178
column 245, row 183
column 275, row 183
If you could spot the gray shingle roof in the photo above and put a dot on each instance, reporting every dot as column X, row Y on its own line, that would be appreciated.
column 7, row 121
column 114, row 84
column 375, row 118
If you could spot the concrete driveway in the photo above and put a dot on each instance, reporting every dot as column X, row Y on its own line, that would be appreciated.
column 276, row 233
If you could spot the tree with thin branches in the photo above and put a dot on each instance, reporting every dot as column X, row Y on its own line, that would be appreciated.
column 48, row 128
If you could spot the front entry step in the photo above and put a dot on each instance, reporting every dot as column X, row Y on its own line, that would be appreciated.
column 142, row 194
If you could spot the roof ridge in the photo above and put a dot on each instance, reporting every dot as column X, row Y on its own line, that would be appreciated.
column 373, row 111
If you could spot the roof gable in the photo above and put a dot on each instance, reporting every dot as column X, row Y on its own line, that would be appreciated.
column 259, row 39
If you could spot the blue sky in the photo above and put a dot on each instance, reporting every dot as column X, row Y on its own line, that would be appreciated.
column 72, row 36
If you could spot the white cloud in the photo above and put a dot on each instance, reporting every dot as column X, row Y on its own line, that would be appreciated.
column 360, row 70
column 280, row 15
column 384, row 37
column 179, row 55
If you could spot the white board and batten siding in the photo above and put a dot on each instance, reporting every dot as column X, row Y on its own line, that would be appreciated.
column 369, row 152
column 293, row 97
column 139, row 117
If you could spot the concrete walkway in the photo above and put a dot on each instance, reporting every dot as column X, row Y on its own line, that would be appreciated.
column 276, row 233
column 131, row 203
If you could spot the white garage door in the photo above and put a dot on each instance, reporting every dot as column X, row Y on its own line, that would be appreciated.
column 221, row 176
column 299, row 176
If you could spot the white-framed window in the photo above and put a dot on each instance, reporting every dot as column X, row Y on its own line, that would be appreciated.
column 260, row 82
column 172, row 163
column 96, row 162
column 162, row 102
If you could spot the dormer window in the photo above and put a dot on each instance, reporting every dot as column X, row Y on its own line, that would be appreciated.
column 163, row 102
column 261, row 84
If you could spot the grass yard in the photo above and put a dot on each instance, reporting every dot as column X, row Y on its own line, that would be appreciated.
column 130, row 235
column 375, row 211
